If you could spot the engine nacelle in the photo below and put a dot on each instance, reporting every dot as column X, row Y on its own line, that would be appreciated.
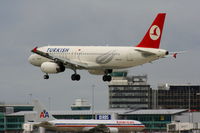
column 101, row 128
column 51, row 67
column 96, row 72
column 113, row 130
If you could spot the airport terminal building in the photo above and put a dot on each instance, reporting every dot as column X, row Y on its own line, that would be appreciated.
column 154, row 120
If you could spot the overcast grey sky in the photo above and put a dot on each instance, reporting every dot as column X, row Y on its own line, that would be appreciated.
column 26, row 24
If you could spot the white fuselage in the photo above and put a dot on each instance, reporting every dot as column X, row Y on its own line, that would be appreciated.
column 120, row 126
column 100, row 57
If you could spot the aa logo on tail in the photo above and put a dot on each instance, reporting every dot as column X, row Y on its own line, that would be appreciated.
column 154, row 32
column 44, row 114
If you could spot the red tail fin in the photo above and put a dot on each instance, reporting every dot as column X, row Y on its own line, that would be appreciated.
column 154, row 33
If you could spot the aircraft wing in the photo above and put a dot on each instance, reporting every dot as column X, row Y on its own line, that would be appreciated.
column 57, row 59
column 145, row 53
column 44, row 124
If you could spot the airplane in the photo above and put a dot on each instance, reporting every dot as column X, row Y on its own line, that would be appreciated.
column 101, row 60
column 45, row 120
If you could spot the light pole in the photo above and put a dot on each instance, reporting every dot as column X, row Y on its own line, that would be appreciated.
column 93, row 115
column 189, row 102
column 30, row 95
column 49, row 99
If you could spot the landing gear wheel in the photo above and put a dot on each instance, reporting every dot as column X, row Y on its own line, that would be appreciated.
column 73, row 77
column 76, row 77
column 104, row 78
column 46, row 76
column 107, row 78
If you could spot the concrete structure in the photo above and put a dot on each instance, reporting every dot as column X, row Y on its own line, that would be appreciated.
column 129, row 92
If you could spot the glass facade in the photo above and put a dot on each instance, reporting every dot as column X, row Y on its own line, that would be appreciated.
column 179, row 97
column 2, row 122
column 12, row 123
column 130, row 96
column 130, row 92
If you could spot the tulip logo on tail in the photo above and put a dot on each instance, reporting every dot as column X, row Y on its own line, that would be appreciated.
column 154, row 32
column 44, row 114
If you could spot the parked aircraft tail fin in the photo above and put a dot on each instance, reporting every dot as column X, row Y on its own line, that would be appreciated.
column 42, row 112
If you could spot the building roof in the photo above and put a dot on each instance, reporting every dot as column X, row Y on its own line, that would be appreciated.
column 16, row 105
column 156, row 111
column 121, row 112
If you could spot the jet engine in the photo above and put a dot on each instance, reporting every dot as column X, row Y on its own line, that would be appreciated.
column 51, row 67
column 101, row 129
column 113, row 130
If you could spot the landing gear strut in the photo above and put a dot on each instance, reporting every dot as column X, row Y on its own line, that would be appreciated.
column 46, row 76
column 107, row 77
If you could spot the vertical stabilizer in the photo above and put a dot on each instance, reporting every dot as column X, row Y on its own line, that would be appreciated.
column 153, row 36
column 42, row 113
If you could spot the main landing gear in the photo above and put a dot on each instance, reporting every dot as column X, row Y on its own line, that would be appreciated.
column 107, row 77
column 76, row 77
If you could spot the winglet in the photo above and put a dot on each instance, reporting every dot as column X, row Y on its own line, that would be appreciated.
column 34, row 50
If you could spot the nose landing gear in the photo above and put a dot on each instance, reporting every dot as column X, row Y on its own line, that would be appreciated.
column 46, row 76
